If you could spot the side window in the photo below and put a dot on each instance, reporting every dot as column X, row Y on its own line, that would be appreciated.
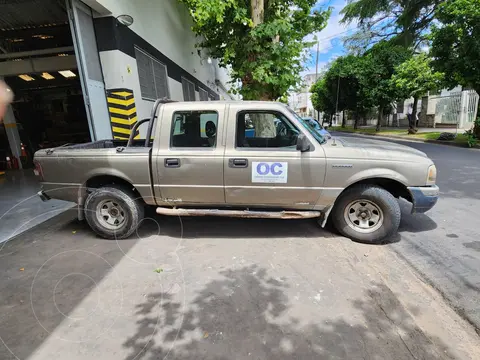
column 194, row 129
column 258, row 129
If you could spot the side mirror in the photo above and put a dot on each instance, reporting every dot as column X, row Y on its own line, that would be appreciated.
column 302, row 143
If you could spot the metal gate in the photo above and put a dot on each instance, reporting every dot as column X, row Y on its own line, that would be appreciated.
column 447, row 108
column 457, row 108
column 472, row 107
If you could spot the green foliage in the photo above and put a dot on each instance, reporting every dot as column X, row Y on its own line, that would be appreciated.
column 361, row 82
column 472, row 140
column 342, row 78
column 322, row 97
column 379, row 65
column 265, row 54
column 415, row 77
column 404, row 22
column 456, row 42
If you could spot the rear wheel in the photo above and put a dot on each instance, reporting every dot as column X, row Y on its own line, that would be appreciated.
column 113, row 212
column 367, row 213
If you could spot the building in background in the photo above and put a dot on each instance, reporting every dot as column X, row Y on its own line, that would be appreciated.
column 81, row 70
column 300, row 101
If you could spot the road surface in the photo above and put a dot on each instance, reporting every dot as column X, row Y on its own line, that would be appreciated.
column 444, row 244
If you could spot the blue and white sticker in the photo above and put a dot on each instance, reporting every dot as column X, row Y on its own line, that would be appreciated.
column 269, row 172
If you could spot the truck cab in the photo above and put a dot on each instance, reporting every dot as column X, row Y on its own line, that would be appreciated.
column 247, row 159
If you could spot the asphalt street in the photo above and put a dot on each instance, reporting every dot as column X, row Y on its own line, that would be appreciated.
column 210, row 288
column 443, row 245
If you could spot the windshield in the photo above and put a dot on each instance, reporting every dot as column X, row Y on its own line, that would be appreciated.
column 315, row 131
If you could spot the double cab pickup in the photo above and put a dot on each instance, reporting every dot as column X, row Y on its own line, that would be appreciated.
column 242, row 159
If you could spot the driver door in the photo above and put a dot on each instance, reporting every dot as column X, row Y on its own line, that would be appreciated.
column 262, row 166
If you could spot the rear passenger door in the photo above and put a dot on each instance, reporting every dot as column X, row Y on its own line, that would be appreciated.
column 190, row 162
column 262, row 166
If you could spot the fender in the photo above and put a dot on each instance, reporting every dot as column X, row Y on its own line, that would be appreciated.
column 375, row 173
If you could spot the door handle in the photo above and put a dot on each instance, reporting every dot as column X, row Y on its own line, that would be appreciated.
column 238, row 163
column 172, row 163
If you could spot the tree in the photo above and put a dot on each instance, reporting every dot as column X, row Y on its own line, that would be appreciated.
column 340, row 88
column 414, row 78
column 262, row 40
column 456, row 43
column 343, row 79
column 322, row 97
column 378, row 66
column 404, row 22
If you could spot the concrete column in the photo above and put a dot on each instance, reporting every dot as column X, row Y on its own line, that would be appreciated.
column 423, row 113
column 462, row 120
column 12, row 133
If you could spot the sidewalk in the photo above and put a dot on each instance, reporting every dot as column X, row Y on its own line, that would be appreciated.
column 425, row 135
column 20, row 207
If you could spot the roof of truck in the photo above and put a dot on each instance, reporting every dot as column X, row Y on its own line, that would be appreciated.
column 223, row 102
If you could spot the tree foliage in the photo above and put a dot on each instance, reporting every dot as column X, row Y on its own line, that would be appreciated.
column 456, row 43
column 404, row 22
column 360, row 82
column 379, row 65
column 415, row 77
column 262, row 40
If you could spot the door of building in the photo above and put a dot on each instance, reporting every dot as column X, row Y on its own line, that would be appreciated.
column 89, row 68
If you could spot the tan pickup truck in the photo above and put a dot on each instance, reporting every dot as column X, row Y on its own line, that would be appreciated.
column 241, row 159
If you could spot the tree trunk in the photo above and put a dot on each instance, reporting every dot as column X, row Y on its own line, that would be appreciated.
column 257, row 7
column 264, row 125
column 343, row 119
column 414, row 112
column 379, row 118
column 355, row 120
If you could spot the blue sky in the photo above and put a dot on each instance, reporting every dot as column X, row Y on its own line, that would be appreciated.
column 330, row 38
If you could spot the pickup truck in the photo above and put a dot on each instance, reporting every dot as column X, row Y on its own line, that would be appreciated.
column 240, row 159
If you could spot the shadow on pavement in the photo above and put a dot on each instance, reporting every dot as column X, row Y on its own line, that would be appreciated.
column 46, row 273
column 246, row 314
column 414, row 223
column 222, row 227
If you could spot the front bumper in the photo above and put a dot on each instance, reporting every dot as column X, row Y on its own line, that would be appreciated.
column 423, row 197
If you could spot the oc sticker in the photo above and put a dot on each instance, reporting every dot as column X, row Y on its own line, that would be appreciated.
column 269, row 172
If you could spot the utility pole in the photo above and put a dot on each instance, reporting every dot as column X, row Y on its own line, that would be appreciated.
column 316, row 74
column 336, row 103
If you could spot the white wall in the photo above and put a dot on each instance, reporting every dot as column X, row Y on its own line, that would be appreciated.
column 166, row 25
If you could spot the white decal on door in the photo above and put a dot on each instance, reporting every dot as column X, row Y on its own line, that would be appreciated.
column 269, row 172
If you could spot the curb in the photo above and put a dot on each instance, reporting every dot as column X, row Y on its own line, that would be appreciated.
column 395, row 137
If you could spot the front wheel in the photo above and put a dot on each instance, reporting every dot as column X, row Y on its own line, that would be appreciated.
column 366, row 213
column 113, row 212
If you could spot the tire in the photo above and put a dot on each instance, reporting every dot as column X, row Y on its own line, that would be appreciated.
column 113, row 212
column 366, row 213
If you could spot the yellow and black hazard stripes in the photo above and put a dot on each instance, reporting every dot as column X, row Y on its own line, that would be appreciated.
column 123, row 113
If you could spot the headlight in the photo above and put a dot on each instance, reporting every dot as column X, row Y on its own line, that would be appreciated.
column 432, row 175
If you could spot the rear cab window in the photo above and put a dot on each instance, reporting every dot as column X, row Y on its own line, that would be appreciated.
column 194, row 129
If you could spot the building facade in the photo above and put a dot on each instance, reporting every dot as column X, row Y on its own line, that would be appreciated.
column 300, row 101
column 88, row 72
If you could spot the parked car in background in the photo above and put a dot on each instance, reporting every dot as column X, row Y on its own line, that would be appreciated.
column 319, row 128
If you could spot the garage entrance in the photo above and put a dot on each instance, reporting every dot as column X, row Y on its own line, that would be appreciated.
column 49, row 57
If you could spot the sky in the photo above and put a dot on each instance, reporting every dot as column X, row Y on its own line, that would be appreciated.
column 330, row 38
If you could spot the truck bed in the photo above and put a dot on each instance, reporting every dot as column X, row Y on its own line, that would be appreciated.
column 104, row 144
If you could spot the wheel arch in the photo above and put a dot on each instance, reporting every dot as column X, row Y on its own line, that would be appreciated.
column 99, row 181
column 393, row 186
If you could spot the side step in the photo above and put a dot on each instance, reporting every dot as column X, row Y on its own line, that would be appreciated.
column 240, row 213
